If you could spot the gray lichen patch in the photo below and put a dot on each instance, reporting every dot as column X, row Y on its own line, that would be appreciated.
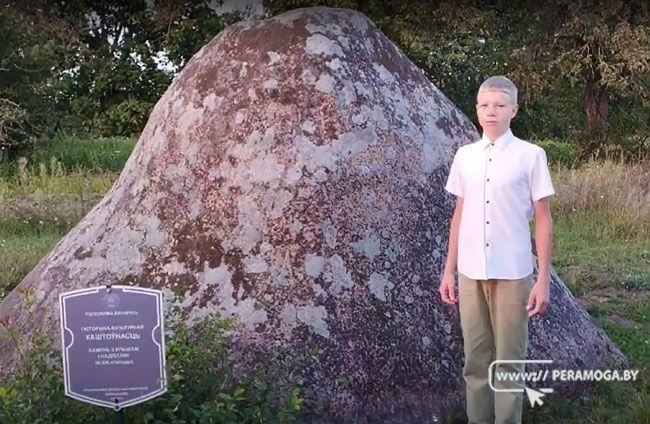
column 337, row 275
column 273, row 57
column 330, row 234
column 288, row 315
column 270, row 85
column 250, row 228
column 315, row 317
column 314, row 265
column 379, row 286
column 225, row 300
column 325, row 83
column 369, row 246
column 318, row 44
column 255, row 265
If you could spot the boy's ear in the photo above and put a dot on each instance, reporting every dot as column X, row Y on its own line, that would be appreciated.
column 516, row 107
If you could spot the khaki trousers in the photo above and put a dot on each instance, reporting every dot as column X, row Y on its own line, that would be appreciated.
column 494, row 323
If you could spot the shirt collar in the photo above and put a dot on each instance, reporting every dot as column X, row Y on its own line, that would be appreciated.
column 500, row 143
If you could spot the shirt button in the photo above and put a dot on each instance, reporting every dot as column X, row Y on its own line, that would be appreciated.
column 487, row 244
column 490, row 160
column 487, row 222
column 488, row 179
column 487, row 201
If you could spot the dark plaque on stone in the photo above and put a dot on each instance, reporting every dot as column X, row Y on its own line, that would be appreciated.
column 113, row 345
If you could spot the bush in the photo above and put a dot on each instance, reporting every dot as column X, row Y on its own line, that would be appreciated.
column 125, row 119
column 631, row 148
column 201, row 388
column 559, row 153
column 13, row 120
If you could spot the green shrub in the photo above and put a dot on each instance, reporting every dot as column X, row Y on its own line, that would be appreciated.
column 559, row 153
column 79, row 118
column 201, row 387
column 125, row 119
column 13, row 133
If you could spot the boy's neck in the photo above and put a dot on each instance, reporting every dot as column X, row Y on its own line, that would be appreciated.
column 493, row 136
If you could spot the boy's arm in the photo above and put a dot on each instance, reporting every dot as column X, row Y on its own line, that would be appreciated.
column 448, row 283
column 543, row 237
column 540, row 295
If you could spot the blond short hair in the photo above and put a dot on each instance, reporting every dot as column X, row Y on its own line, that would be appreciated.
column 500, row 83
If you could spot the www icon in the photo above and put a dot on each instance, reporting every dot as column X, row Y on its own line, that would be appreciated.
column 534, row 396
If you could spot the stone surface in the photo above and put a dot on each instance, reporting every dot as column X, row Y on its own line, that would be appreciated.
column 292, row 177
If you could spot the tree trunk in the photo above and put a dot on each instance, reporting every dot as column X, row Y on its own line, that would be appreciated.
column 596, row 104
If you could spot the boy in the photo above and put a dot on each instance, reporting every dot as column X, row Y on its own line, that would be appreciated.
column 500, row 183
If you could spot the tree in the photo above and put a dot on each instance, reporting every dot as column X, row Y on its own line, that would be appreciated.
column 114, row 80
column 108, row 76
column 184, row 27
column 25, row 69
column 601, row 47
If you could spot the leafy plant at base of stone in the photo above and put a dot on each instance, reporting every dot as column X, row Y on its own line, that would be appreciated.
column 201, row 387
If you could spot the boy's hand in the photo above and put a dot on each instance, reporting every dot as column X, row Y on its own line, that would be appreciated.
column 539, row 298
column 448, row 289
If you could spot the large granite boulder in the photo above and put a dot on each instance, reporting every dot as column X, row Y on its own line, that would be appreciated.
column 292, row 177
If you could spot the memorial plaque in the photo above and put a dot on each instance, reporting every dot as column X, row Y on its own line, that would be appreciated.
column 113, row 345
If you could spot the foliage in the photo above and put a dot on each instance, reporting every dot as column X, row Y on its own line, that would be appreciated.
column 201, row 385
column 115, row 80
column 125, row 119
column 185, row 27
column 604, row 41
column 601, row 48
column 25, row 59
column 582, row 67
column 89, row 67
column 559, row 153
column 113, row 59
column 466, row 43
column 12, row 126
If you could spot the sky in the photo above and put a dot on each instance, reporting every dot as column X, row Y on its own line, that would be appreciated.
column 255, row 6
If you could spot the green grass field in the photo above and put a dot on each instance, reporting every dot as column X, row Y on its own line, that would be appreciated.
column 601, row 250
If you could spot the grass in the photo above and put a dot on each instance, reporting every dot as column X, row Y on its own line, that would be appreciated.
column 590, row 254
column 615, row 193
column 100, row 154
column 19, row 253
column 39, row 204
column 606, row 403
column 601, row 250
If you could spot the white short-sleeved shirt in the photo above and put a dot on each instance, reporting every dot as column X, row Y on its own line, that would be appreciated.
column 498, row 182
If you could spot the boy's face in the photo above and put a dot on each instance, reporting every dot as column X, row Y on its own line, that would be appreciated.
column 495, row 110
